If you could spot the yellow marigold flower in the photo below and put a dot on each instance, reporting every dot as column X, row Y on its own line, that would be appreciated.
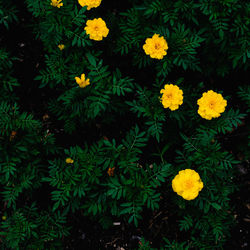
column 172, row 96
column 187, row 184
column 211, row 105
column 56, row 3
column 156, row 46
column 89, row 3
column 111, row 171
column 81, row 81
column 96, row 29
column 61, row 46
column 69, row 161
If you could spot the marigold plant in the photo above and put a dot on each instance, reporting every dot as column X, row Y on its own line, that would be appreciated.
column 56, row 3
column 96, row 29
column 211, row 105
column 112, row 152
column 187, row 184
column 90, row 3
column 156, row 47
column 172, row 96
column 82, row 82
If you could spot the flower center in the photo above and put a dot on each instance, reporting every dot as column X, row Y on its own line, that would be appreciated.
column 96, row 28
column 212, row 104
column 157, row 46
column 189, row 184
column 169, row 95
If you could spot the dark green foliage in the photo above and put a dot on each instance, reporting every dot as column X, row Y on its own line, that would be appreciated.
column 133, row 185
column 28, row 228
column 8, row 81
column 21, row 143
column 244, row 94
column 125, row 146
column 8, row 13
column 219, row 30
column 204, row 153
column 149, row 106
column 99, row 98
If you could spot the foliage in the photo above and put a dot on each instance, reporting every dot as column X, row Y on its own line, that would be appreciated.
column 125, row 147
column 124, row 194
column 28, row 228
column 8, row 13
column 198, row 33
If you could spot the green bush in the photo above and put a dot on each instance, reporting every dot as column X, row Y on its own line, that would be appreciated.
column 109, row 151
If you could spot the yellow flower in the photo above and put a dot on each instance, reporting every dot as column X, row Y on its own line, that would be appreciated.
column 172, row 96
column 111, row 171
column 81, row 81
column 211, row 105
column 187, row 184
column 69, row 161
column 156, row 46
column 89, row 3
column 4, row 217
column 56, row 3
column 96, row 29
column 61, row 46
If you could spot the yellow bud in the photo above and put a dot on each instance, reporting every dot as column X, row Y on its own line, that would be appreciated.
column 69, row 161
column 61, row 46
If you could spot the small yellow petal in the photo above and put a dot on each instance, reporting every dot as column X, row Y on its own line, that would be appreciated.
column 61, row 46
column 69, row 161
column 78, row 80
